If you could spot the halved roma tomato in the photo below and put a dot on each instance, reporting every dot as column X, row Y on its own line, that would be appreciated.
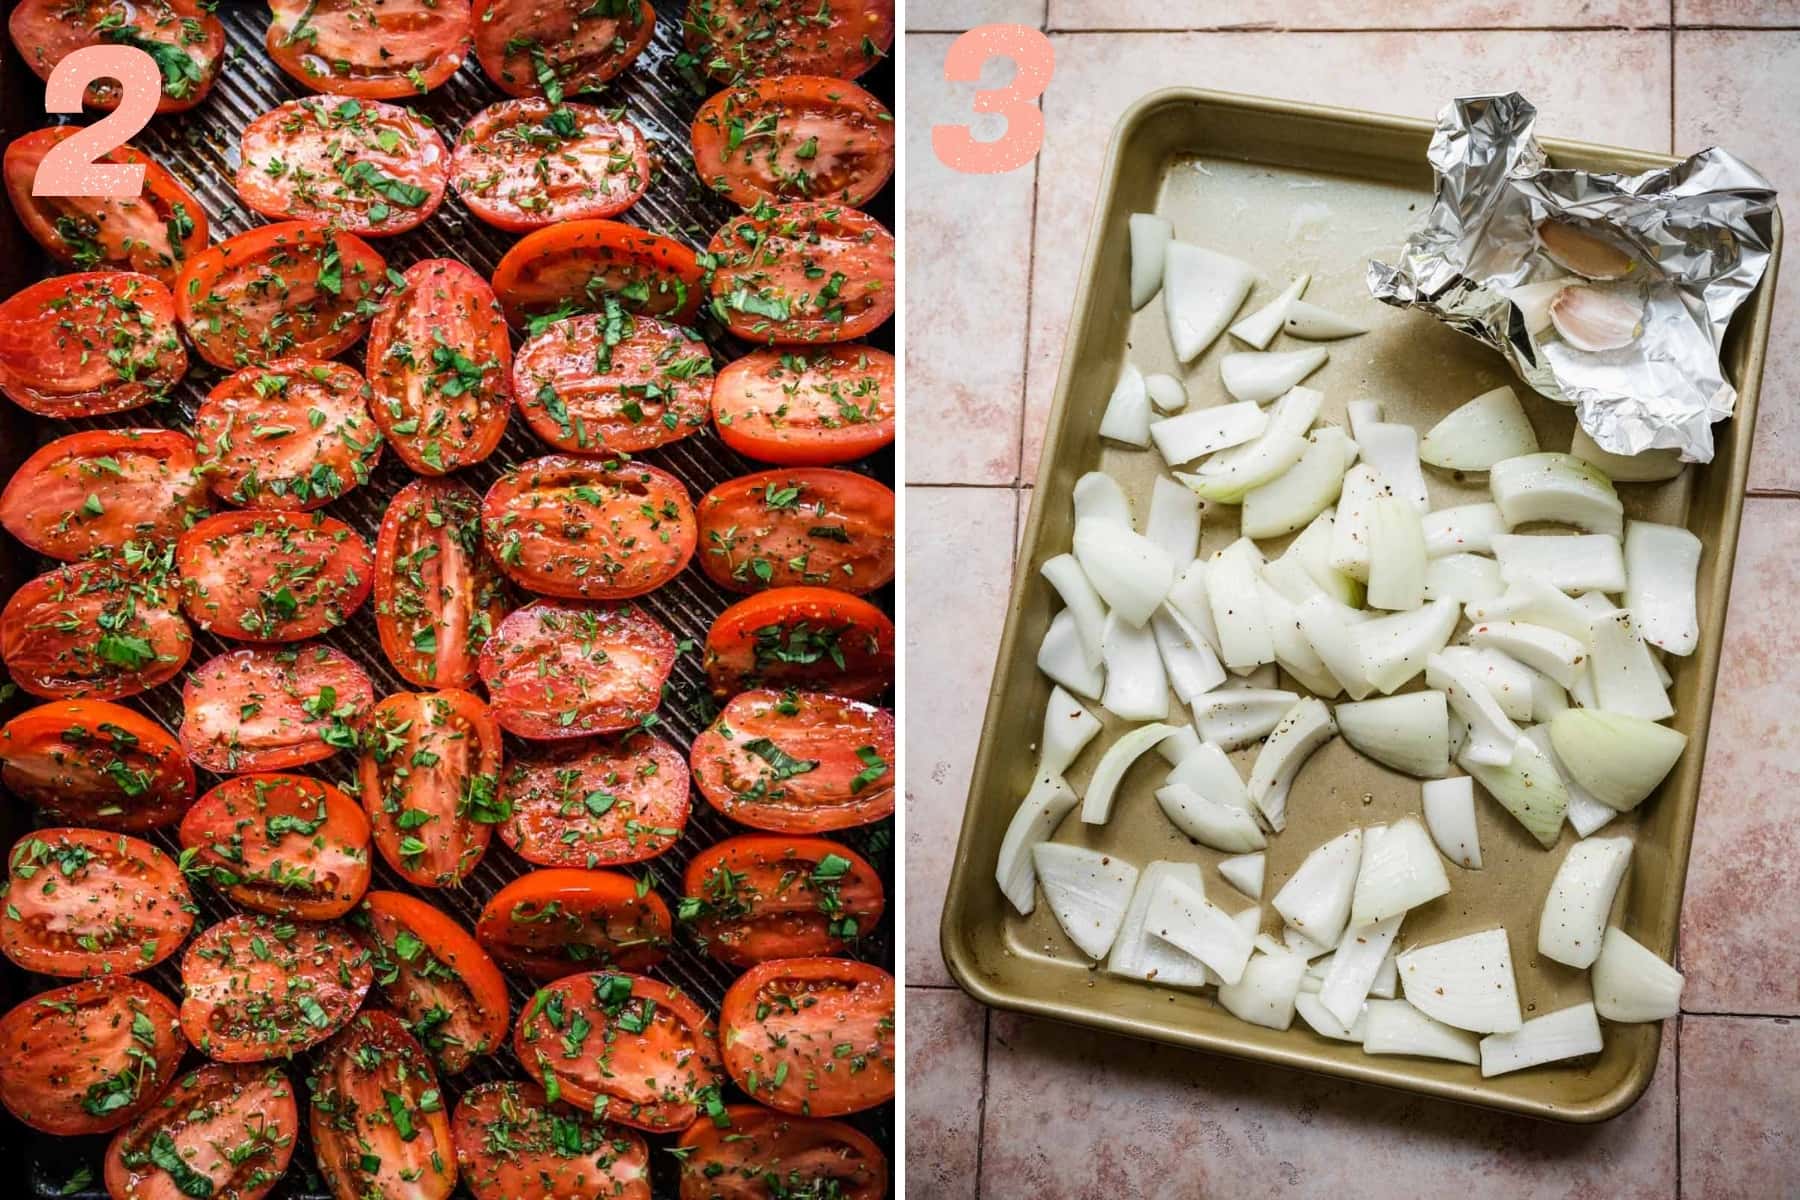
column 440, row 363
column 756, row 897
column 90, row 344
column 797, row 762
column 446, row 988
column 259, row 987
column 524, row 164
column 100, row 489
column 182, row 36
column 82, row 903
column 794, row 137
column 612, row 383
column 803, row 637
column 152, row 232
column 265, row 709
column 813, row 1036
column 269, row 576
column 93, row 631
column 378, row 1119
column 293, row 434
column 549, row 923
column 779, row 528
column 374, row 49
column 437, row 596
column 803, row 272
column 573, row 266
column 623, row 1047
column 296, row 289
column 97, row 763
column 88, row 1057
column 747, row 38
column 510, row 1144
column 589, row 530
column 430, row 776
column 755, row 1153
column 369, row 167
column 221, row 1131
column 285, row 845
column 563, row 670
column 807, row 408
column 551, row 47
column 596, row 804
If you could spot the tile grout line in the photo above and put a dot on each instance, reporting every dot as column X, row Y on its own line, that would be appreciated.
column 1037, row 178
column 1791, row 1018
column 987, row 1027
column 1680, row 1020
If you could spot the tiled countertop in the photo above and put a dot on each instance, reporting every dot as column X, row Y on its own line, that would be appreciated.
column 1003, row 1106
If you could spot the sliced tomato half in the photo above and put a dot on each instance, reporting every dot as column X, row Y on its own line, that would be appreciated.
column 378, row 1119
column 611, row 383
column 756, row 897
column 183, row 37
column 437, row 596
column 753, row 1153
column 807, row 407
column 93, row 631
column 524, row 164
column 223, row 1131
column 285, row 845
column 292, row 435
column 271, row 576
column 802, row 637
column 510, row 1143
column 747, row 38
column 811, row 1036
column 88, row 1057
column 266, row 709
column 802, row 272
column 437, row 976
column 430, row 776
column 820, row 527
column 794, row 137
column 555, row 47
column 259, row 987
column 81, row 903
column 797, row 762
column 549, row 923
column 557, row 669
column 596, row 803
column 373, row 49
column 368, row 167
column 96, row 763
column 103, row 488
column 89, row 344
column 571, row 267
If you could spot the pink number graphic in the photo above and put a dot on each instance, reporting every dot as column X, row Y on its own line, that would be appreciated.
column 1035, row 60
column 71, row 167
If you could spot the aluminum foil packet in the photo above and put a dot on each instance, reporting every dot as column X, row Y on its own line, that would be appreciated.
column 1610, row 293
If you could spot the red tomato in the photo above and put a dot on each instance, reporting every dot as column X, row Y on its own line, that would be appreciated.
column 232, row 1128
column 430, row 776
column 152, row 232
column 294, row 434
column 440, row 362
column 560, row 670
column 88, row 1057
column 813, row 1036
column 437, row 596
column 596, row 803
column 378, row 1119
column 82, row 903
column 90, row 344
column 570, row 267
column 182, row 36
column 371, row 168
column 742, row 38
column 803, row 272
column 446, row 988
column 754, row 1152
column 285, row 845
column 756, row 897
column 100, row 489
column 265, row 709
column 589, row 530
column 613, row 383
column 779, row 528
column 549, row 47
column 797, row 762
column 794, row 137
column 269, row 576
column 510, row 1144
column 373, row 49
column 804, row 637
column 293, row 290
column 524, row 164
column 96, row 763
column 259, row 988
column 92, row 631
column 624, row 1047
column 549, row 923
column 807, row 408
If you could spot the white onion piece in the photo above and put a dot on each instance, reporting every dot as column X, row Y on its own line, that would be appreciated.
column 1575, row 562
column 1464, row 578
column 1088, row 892
column 1393, row 450
column 1349, row 551
column 1179, row 746
column 1619, row 759
column 1303, row 729
column 1188, row 600
column 1570, row 1033
column 1466, row 982
column 1150, row 236
column 1308, row 488
column 1083, row 604
column 1646, row 466
column 1174, row 520
column 1464, row 529
column 1166, row 393
column 1249, row 920
column 1387, row 978
column 1597, row 319
column 1586, row 814
column 1536, row 601
column 1300, row 944
column 1137, row 689
column 1409, row 732
column 1631, row 983
column 1528, row 787
column 1202, row 290
column 1316, row 898
column 1182, row 916
column 1260, row 327
column 1506, row 679
column 1096, row 806
column 1308, row 322
column 1580, row 899
column 1265, row 994
column 1539, row 647
column 1131, row 572
column 1312, row 550
column 1245, row 873
column 1487, row 429
column 1210, row 773
column 1625, row 676
column 1362, row 414
column 1199, row 431
column 1556, row 487
column 1396, row 1027
column 1192, row 667
column 1533, row 301
column 1127, row 415
column 1068, row 728
column 1547, row 697
column 1136, row 954
column 1492, row 733
column 1661, row 565
column 1211, row 822
column 1231, row 578
column 1260, row 376
column 1319, row 1018
column 1396, row 647
column 1449, row 806
column 1062, row 657
column 1400, row 870
column 1282, row 443
column 1335, row 644
column 1293, row 651
column 1234, row 717
column 1043, row 809
column 1265, row 678
column 1098, row 495
column 1396, row 555
column 1360, row 953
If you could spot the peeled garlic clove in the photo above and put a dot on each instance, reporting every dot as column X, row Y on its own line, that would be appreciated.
column 1595, row 319
column 1582, row 252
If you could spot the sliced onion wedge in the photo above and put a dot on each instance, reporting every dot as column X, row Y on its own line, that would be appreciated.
column 1087, row 890
column 1282, row 443
column 1332, row 639
column 1396, row 647
column 1580, row 898
column 1098, row 495
column 1586, row 814
column 1308, row 322
column 1646, row 466
column 1539, row 647
column 1536, row 601
column 1464, row 529
column 1569, row 1033
column 1174, row 520
column 1233, row 717
column 1245, row 873
column 1624, row 671
column 1506, row 679
column 1127, row 415
column 1150, row 235
column 1400, row 870
column 1631, row 983
column 1396, row 1027
column 1661, row 565
column 1179, row 746
column 1215, row 823
column 1619, row 759
column 1096, row 805
column 1393, row 450
column 1209, row 772
column 1449, row 806
column 1463, row 578
column 1136, row 953
column 1063, row 658
column 1182, row 916
column 1264, row 995
column 1409, row 732
column 1231, row 587
column 1261, row 376
column 1311, row 1010
column 1188, row 600
column 1528, row 787
column 1579, row 562
column 1132, row 573
column 1260, row 327
column 1349, row 551
column 1201, row 431
column 1202, row 290
column 1303, row 729
column 1293, row 650
column 1396, row 555
column 1137, row 687
column 1167, row 394
column 1488, row 429
column 1043, row 809
column 1083, row 604
column 1312, row 551
column 1192, row 667
column 1466, row 982
column 1294, row 499
column 1316, row 898
column 1068, row 728
column 1555, row 487
column 1360, row 953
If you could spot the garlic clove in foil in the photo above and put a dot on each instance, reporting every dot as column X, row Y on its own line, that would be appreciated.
column 1591, row 318
column 1583, row 253
column 1533, row 301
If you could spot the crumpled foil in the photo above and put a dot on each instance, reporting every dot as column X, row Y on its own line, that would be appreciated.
column 1700, row 230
